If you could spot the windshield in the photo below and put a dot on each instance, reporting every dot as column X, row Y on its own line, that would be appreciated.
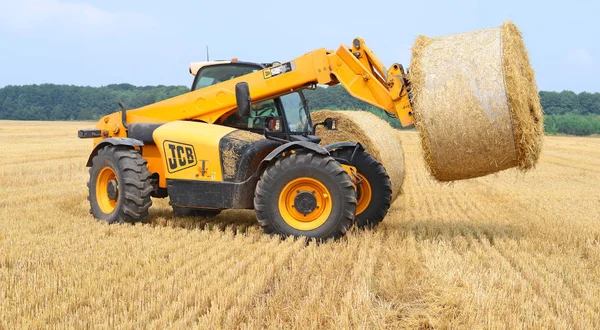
column 295, row 113
column 215, row 74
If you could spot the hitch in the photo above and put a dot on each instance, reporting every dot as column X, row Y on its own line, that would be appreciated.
column 89, row 133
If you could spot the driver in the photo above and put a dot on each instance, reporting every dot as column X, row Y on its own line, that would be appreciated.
column 258, row 106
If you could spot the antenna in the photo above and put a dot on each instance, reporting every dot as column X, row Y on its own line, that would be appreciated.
column 207, row 58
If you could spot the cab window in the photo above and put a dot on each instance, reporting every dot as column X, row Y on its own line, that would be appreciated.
column 260, row 111
column 295, row 112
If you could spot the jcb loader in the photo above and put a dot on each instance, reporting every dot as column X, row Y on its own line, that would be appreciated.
column 197, row 149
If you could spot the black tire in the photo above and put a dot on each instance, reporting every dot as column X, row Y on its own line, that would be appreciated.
column 381, row 186
column 322, row 169
column 133, row 185
column 192, row 212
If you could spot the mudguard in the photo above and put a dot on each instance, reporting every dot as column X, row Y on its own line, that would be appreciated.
column 289, row 146
column 341, row 145
column 115, row 142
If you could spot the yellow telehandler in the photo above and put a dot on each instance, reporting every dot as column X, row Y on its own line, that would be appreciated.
column 203, row 150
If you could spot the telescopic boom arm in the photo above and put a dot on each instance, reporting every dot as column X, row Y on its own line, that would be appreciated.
column 356, row 68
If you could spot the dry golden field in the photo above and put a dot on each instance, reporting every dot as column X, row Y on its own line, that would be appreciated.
column 510, row 250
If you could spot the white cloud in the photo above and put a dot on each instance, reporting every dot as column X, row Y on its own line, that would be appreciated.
column 28, row 15
column 580, row 57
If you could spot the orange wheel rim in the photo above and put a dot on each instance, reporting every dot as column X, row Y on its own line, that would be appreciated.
column 107, row 201
column 305, row 203
column 365, row 193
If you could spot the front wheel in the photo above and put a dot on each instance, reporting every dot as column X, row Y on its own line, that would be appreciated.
column 120, row 186
column 305, row 194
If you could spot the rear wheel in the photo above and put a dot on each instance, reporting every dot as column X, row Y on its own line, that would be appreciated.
column 305, row 194
column 374, row 192
column 120, row 186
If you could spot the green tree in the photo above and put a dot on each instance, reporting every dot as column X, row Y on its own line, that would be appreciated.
column 550, row 125
column 589, row 103
column 576, row 125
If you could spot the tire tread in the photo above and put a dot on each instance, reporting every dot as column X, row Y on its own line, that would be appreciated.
column 135, row 185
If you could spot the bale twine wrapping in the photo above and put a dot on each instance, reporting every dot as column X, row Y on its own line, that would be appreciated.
column 375, row 134
column 476, row 103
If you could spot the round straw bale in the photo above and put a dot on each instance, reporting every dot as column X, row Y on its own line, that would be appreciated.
column 375, row 134
column 476, row 103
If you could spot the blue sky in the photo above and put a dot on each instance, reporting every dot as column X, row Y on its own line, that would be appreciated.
column 151, row 42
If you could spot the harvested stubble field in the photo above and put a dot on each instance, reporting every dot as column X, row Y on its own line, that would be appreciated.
column 510, row 250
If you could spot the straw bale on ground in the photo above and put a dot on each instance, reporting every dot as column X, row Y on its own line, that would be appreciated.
column 375, row 134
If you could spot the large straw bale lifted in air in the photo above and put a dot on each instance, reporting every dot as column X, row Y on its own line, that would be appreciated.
column 476, row 103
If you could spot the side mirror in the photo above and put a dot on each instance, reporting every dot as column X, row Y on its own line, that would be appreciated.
column 273, row 124
column 243, row 100
column 330, row 124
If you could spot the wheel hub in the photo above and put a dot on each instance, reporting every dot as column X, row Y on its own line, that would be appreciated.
column 107, row 190
column 112, row 190
column 305, row 202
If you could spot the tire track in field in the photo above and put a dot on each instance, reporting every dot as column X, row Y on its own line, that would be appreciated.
column 231, row 307
column 331, row 280
column 543, row 270
column 363, row 274
column 505, row 274
column 560, row 297
column 464, row 285
column 528, row 215
column 403, row 290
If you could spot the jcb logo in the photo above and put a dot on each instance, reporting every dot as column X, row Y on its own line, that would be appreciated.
column 179, row 156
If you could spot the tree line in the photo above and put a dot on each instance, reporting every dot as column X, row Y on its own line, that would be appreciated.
column 61, row 102
column 566, row 112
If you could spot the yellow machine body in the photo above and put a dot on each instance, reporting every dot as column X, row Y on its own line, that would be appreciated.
column 190, row 150
column 356, row 68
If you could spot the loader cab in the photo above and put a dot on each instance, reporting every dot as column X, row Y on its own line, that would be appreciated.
column 286, row 117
